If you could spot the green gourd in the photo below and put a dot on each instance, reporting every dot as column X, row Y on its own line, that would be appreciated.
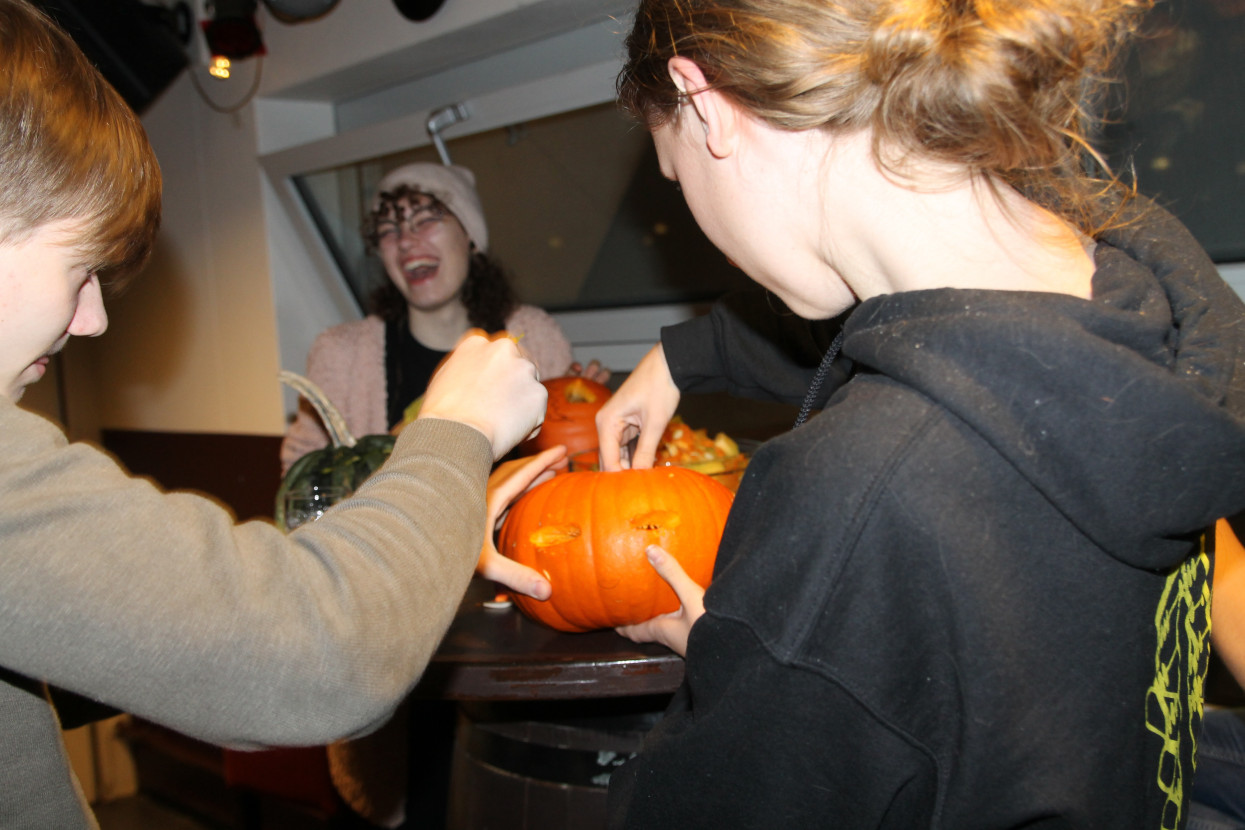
column 344, row 463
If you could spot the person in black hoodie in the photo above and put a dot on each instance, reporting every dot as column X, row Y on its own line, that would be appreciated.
column 972, row 591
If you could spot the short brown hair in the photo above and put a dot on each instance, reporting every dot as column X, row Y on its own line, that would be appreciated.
column 70, row 147
column 1001, row 88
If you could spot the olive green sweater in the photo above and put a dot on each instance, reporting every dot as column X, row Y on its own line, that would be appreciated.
column 160, row 605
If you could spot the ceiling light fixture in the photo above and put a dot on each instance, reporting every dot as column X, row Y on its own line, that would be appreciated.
column 231, row 31
column 418, row 10
column 299, row 11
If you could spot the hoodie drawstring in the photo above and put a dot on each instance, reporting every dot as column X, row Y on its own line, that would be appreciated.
column 818, row 379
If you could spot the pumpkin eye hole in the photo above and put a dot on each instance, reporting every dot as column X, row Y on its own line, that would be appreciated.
column 550, row 535
column 578, row 392
column 656, row 520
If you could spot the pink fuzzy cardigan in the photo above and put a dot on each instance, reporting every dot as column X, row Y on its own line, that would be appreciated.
column 348, row 362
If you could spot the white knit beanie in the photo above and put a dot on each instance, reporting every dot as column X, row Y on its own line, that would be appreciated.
column 453, row 186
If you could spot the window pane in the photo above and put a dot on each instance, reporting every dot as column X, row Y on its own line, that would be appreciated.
column 577, row 208
column 1179, row 120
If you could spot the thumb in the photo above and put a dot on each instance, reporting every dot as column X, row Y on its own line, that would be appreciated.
column 513, row 478
column 518, row 578
column 669, row 569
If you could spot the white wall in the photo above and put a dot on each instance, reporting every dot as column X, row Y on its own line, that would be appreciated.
column 192, row 344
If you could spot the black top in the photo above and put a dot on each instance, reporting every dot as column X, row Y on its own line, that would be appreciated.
column 973, row 592
column 409, row 365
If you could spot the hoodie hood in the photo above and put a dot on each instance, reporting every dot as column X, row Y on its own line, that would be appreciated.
column 1127, row 411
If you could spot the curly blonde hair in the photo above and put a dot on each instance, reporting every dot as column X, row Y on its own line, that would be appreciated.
column 71, row 148
column 1004, row 89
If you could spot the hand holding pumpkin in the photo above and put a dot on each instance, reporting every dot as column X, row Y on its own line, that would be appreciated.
column 509, row 481
column 587, row 533
column 487, row 384
column 671, row 630
column 642, row 407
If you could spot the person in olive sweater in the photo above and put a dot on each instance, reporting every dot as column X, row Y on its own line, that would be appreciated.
column 973, row 590
column 159, row 604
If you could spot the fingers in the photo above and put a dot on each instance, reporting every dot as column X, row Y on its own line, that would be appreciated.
column 673, row 629
column 643, row 405
column 691, row 595
column 513, row 478
column 649, row 631
column 593, row 371
column 645, row 454
column 518, row 578
column 610, row 434
column 488, row 384
column 510, row 480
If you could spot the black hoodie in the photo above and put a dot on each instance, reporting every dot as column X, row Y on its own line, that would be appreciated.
column 973, row 592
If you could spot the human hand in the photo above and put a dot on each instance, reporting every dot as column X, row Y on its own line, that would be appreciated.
column 671, row 630
column 593, row 371
column 509, row 481
column 488, row 384
column 641, row 408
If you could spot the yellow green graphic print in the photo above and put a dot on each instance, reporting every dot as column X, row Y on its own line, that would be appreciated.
column 1174, row 702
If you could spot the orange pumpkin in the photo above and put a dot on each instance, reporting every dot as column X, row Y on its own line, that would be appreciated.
column 570, row 416
column 587, row 533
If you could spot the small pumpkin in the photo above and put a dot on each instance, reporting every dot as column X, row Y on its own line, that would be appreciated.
column 570, row 416
column 343, row 464
column 587, row 533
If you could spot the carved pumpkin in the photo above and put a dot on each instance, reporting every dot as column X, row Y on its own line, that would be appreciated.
column 570, row 416
column 587, row 533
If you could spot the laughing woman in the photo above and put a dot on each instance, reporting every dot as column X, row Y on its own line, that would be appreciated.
column 973, row 591
column 428, row 228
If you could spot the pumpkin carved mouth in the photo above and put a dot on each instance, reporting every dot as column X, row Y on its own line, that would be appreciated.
column 657, row 520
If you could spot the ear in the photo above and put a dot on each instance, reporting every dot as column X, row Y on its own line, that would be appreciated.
column 719, row 117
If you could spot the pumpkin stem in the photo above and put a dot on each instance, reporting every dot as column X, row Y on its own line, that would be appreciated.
column 333, row 421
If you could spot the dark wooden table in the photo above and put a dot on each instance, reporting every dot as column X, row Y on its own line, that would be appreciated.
column 540, row 718
column 501, row 655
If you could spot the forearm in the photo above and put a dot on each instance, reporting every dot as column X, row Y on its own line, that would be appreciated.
column 158, row 604
column 1228, row 601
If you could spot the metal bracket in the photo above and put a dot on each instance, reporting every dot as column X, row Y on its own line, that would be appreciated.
column 442, row 118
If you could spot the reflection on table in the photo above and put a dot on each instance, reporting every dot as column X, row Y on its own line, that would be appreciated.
column 500, row 655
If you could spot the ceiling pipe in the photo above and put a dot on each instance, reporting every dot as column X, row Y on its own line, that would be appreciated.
column 443, row 118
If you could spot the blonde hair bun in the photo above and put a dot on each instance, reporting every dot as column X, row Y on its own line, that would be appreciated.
column 1001, row 89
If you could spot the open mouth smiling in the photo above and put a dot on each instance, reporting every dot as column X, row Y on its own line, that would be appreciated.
column 420, row 270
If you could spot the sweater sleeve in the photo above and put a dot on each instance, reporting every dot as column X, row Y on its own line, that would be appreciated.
column 161, row 605
column 752, row 347
column 542, row 340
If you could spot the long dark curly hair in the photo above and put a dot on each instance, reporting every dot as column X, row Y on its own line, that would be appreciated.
column 486, row 293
